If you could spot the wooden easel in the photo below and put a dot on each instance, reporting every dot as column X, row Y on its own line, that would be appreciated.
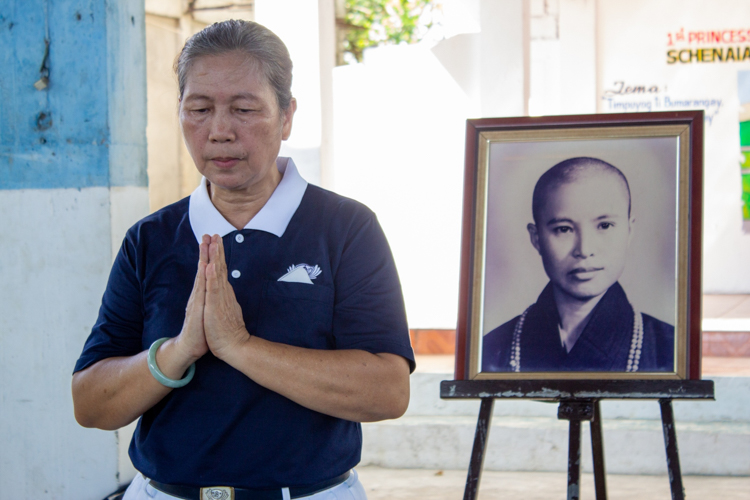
column 579, row 400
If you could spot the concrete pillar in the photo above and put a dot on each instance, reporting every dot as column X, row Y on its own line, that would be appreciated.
column 301, row 34
column 578, row 56
column 72, row 179
column 327, row 22
column 504, row 60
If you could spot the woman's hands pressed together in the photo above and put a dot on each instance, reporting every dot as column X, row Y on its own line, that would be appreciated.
column 222, row 315
column 192, row 339
column 213, row 318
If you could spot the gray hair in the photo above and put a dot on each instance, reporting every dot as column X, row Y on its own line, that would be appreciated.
column 254, row 40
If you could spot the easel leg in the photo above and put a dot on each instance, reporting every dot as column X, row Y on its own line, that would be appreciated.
column 673, row 456
column 597, row 449
column 574, row 460
column 575, row 410
column 478, row 451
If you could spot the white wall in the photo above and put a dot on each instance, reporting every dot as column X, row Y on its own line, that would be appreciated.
column 56, row 258
column 504, row 48
column 296, row 23
column 399, row 128
column 633, row 42
column 577, row 34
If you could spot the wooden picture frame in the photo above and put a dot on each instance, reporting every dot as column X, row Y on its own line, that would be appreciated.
column 660, row 156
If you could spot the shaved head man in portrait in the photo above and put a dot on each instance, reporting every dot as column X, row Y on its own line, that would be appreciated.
column 582, row 320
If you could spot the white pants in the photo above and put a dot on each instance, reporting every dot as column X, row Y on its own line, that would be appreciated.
column 351, row 489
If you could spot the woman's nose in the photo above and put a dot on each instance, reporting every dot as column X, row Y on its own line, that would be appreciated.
column 221, row 129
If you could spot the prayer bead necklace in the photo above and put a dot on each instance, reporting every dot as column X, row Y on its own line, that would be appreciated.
column 634, row 356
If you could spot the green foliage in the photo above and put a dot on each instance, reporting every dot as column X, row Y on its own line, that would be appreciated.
column 368, row 23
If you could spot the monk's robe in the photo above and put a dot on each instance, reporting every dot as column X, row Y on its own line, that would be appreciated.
column 604, row 345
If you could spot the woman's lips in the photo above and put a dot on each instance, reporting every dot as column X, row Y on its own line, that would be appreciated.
column 225, row 162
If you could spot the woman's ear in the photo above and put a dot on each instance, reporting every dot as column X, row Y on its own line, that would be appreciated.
column 287, row 117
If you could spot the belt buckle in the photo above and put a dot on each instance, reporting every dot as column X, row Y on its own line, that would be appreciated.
column 217, row 493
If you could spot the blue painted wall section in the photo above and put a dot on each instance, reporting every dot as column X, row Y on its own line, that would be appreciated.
column 60, row 136
column 126, row 75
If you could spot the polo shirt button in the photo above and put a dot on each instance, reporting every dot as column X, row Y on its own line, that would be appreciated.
column 239, row 238
column 236, row 274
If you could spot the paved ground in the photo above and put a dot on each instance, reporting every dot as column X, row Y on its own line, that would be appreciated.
column 398, row 484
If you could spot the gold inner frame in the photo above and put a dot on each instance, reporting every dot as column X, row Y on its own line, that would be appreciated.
column 682, row 134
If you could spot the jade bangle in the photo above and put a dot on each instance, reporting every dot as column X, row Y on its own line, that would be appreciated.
column 159, row 376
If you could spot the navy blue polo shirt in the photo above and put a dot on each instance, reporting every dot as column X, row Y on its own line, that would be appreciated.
column 344, row 293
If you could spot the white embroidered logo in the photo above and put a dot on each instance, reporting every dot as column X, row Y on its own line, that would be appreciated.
column 312, row 271
column 301, row 273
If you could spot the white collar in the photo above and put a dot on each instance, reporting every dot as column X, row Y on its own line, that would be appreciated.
column 273, row 218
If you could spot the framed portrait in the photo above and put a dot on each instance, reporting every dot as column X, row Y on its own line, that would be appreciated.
column 581, row 247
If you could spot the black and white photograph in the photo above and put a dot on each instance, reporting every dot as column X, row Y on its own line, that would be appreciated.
column 577, row 245
column 582, row 234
